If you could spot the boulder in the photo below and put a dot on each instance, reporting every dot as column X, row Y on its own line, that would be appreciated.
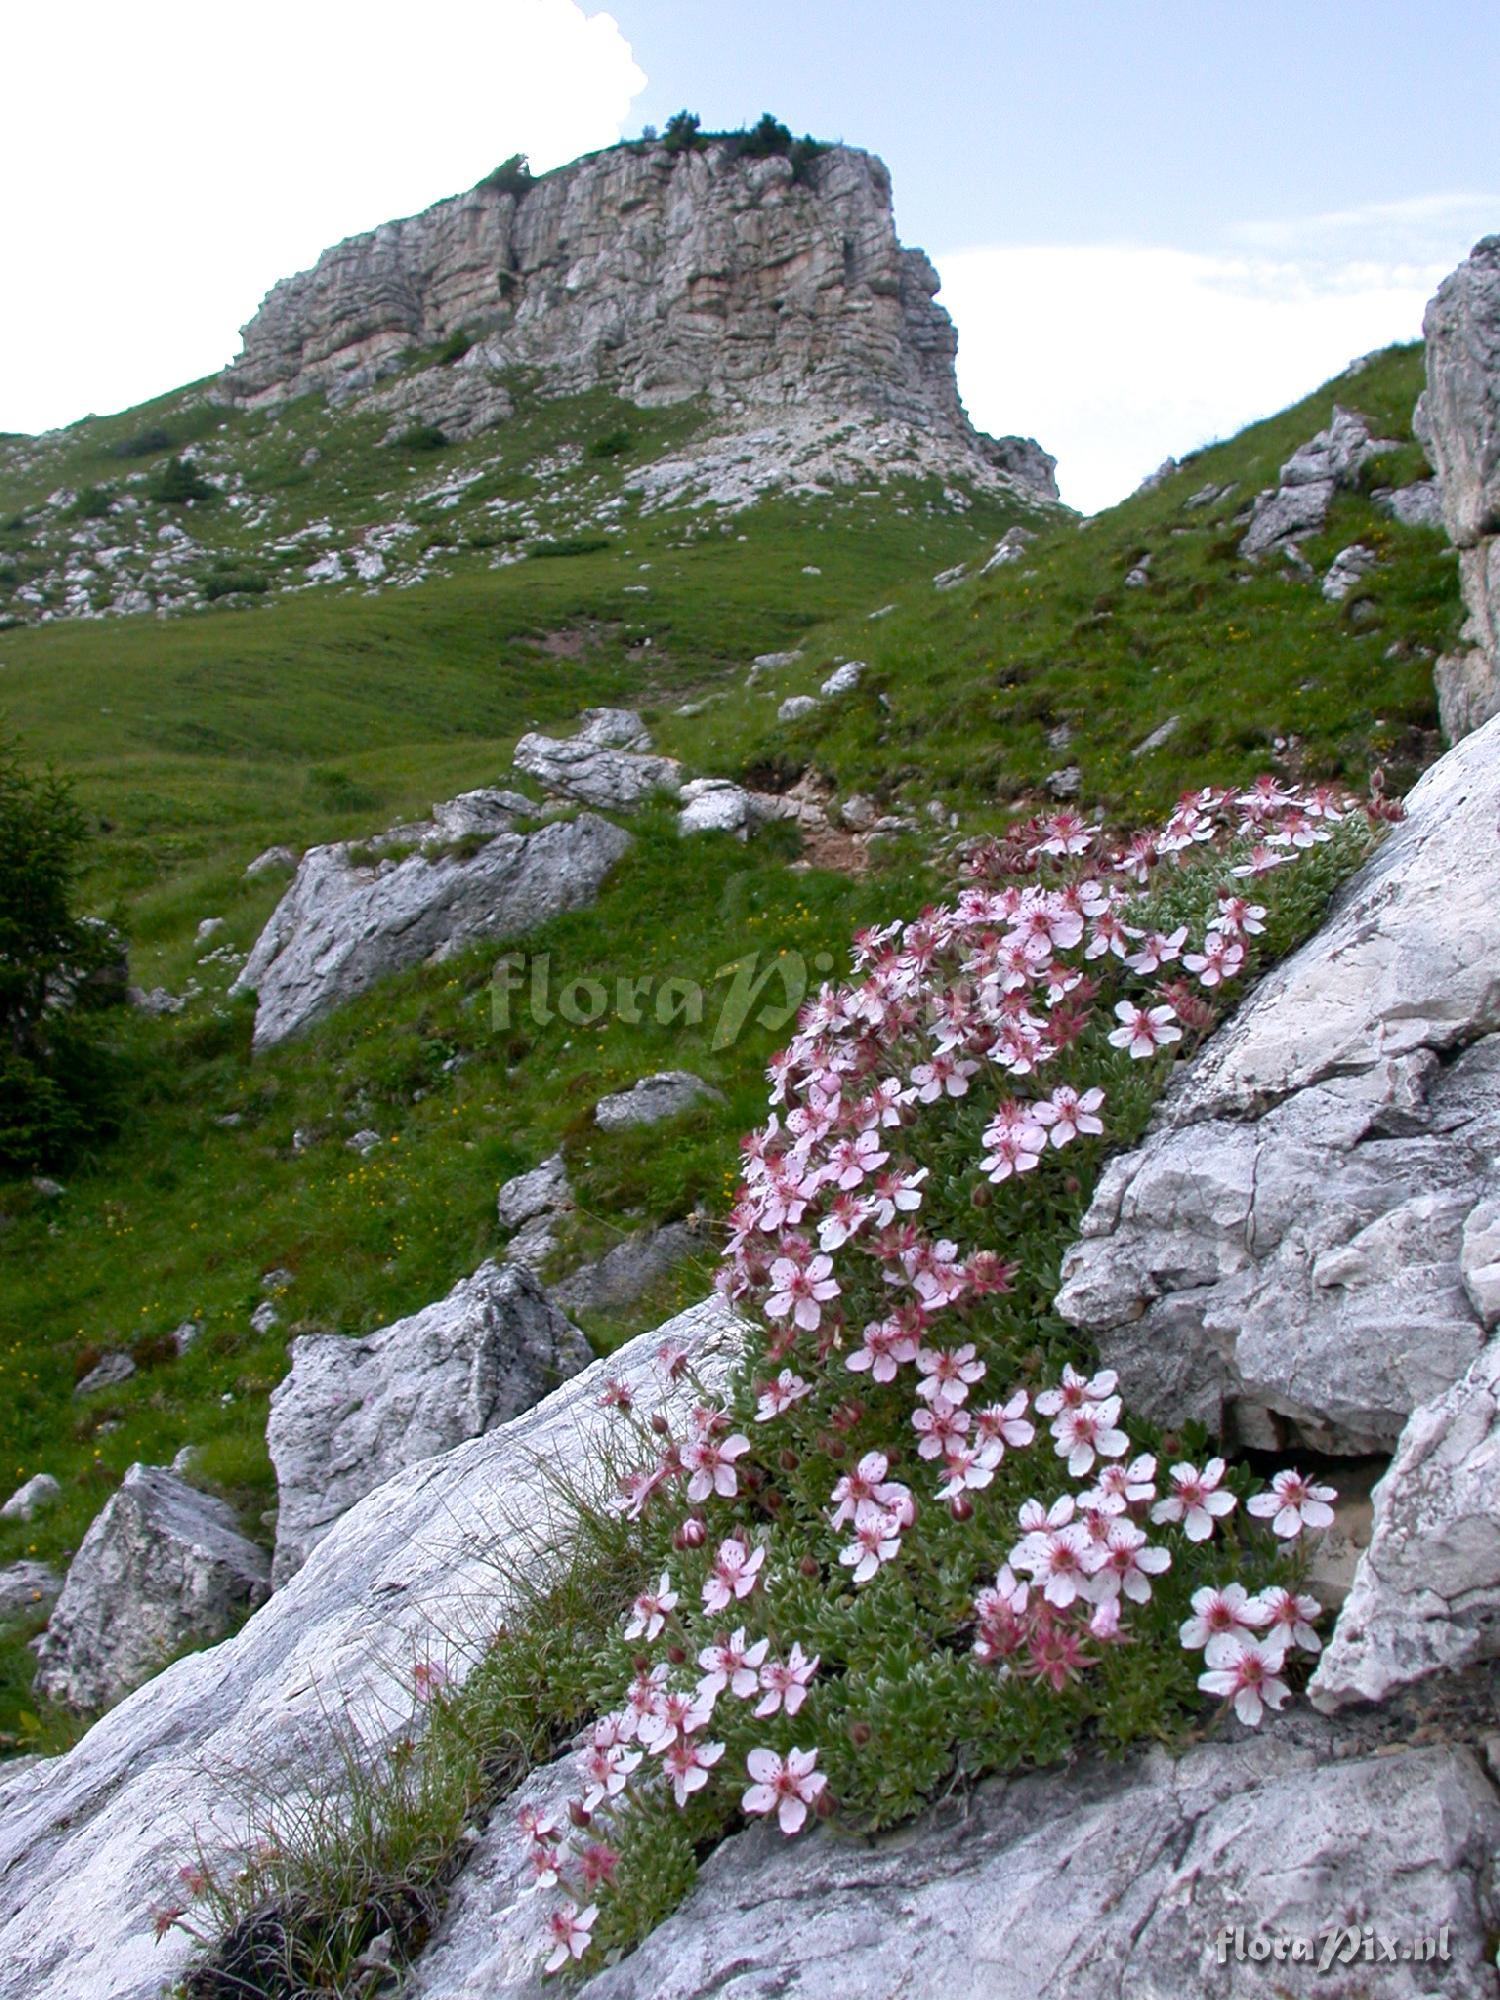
column 622, row 1275
column 608, row 763
column 1298, row 505
column 162, row 1566
column 1285, row 512
column 29, row 1499
column 545, row 1190
column 718, row 805
column 345, row 923
column 91, row 1842
column 26, row 1588
column 1285, row 1254
column 1348, row 567
column 1426, row 1595
column 353, row 1411
column 1010, row 548
column 844, row 679
column 653, row 1100
column 1419, row 505
column 1458, row 421
column 270, row 861
column 796, row 706
column 1146, row 1880
column 108, row 1373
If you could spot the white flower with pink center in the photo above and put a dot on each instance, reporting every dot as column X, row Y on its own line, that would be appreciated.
column 568, row 1927
column 1196, row 1499
column 1286, row 1612
column 854, row 1160
column 802, row 1292
column 1294, row 1503
column 1239, row 917
column 858, row 1486
column 681, row 1712
column 1246, row 1671
column 1056, row 1550
column 1128, row 1564
column 948, row 1373
column 1157, row 950
column 877, row 1540
column 732, row 1663
column 777, row 1397
column 1220, row 1610
column 1087, row 1432
column 886, row 1345
column 1075, row 1389
column 1013, row 1149
column 1117, row 1487
column 1221, row 958
column 1005, row 1423
column 939, row 1429
column 1262, row 859
column 896, row 1193
column 651, row 1610
column 735, row 1573
column 1070, row 1114
column 687, row 1764
column 786, row 1786
column 711, row 1463
column 944, row 1076
column 845, row 1218
column 1144, row 1030
column 606, row 1772
column 969, row 1468
column 785, row 1682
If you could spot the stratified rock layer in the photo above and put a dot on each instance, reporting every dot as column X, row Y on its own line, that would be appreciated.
column 664, row 276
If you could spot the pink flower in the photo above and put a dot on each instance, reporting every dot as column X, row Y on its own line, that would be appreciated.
column 947, row 1373
column 569, row 1928
column 862, row 1484
column 1220, row 1611
column 644, row 1698
column 1156, row 950
column 1129, row 1564
column 1074, row 1390
column 845, row 1218
column 1065, row 833
column 1286, row 1612
column 1238, row 917
column 1144, row 1030
column 895, row 1192
column 711, row 1465
column 1005, row 1423
column 733, row 1664
column 428, row 1679
column 1293, row 1503
column 786, row 1787
column 1117, row 1487
column 969, row 1468
column 940, row 1429
column 1221, row 958
column 877, row 1538
column 1013, row 1149
column 650, row 1611
column 945, row 1075
column 1069, row 1115
column 606, row 1770
column 1262, row 859
column 735, row 1573
column 886, row 1344
column 687, row 1764
column 778, row 1397
column 680, row 1712
column 1247, row 1672
column 1090, row 1429
column 854, row 1160
column 786, row 1682
column 802, row 1293
column 1056, row 1550
column 1196, row 1499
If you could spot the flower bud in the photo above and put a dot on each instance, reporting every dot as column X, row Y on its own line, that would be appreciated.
column 982, row 1196
column 676, row 1655
column 860, row 1734
column 579, row 1813
column 694, row 1532
column 660, row 1425
column 810, row 1568
column 961, row 1507
column 789, row 1461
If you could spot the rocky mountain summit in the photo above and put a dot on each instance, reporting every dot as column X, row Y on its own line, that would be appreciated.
column 778, row 293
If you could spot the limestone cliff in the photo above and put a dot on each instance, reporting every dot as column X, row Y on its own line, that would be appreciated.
column 664, row 276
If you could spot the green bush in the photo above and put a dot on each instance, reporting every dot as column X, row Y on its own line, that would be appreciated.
column 149, row 443
column 55, row 1077
column 420, row 437
column 683, row 133
column 92, row 504
column 179, row 482
column 231, row 583
column 455, row 347
column 612, row 444
column 512, row 176
column 571, row 545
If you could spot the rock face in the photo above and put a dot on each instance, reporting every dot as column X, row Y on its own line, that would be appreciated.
column 1101, row 1883
column 162, row 1565
column 1458, row 420
column 27, row 1587
column 91, row 1841
column 343, row 924
column 1287, row 1251
column 1426, row 1596
column 662, row 276
column 621, row 1275
column 608, row 763
column 38, row 1492
column 352, row 1413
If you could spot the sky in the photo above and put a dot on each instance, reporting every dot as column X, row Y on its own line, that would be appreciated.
column 1155, row 220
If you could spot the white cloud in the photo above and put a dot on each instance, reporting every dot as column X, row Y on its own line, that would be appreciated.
column 166, row 162
column 1114, row 356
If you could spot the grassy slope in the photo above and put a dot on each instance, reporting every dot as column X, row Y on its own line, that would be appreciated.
column 200, row 739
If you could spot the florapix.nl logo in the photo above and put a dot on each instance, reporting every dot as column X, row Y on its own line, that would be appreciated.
column 766, row 988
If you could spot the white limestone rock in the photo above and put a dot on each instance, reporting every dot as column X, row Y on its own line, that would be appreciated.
column 353, row 1411
column 796, row 706
column 608, row 763
column 1102, row 1882
column 29, row 1499
column 1426, row 1595
column 653, row 1100
column 91, row 1842
column 27, row 1587
column 1286, row 1251
column 545, row 1190
column 342, row 925
column 1348, row 568
column 162, row 1565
